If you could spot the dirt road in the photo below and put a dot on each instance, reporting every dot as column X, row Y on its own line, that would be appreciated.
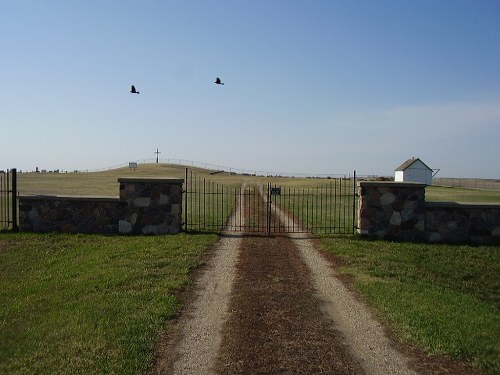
column 274, row 305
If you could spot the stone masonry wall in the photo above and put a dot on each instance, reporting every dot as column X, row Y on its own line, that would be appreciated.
column 398, row 211
column 154, row 206
column 69, row 214
column 459, row 223
column 145, row 206
column 390, row 210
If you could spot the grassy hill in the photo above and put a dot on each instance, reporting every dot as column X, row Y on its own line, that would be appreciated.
column 105, row 183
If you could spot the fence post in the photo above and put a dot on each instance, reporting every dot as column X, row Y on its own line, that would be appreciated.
column 15, row 226
column 186, row 197
column 269, row 210
column 354, row 200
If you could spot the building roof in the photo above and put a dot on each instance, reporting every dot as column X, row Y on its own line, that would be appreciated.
column 409, row 162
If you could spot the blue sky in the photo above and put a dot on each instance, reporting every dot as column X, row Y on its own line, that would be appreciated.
column 310, row 86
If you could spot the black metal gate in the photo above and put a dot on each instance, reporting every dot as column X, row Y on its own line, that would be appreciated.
column 324, row 206
column 8, row 199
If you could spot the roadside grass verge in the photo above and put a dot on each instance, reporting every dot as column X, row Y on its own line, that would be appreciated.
column 442, row 298
column 89, row 304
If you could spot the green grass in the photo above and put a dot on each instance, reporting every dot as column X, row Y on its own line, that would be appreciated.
column 105, row 183
column 443, row 298
column 461, row 195
column 325, row 208
column 91, row 183
column 88, row 304
column 209, row 208
column 208, row 203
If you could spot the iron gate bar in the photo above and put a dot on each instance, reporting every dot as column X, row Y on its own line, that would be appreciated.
column 4, row 206
column 343, row 206
column 14, row 200
column 268, row 208
column 3, row 202
column 354, row 201
column 329, row 208
column 186, row 200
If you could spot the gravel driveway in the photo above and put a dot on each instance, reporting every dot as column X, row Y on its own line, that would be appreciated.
column 274, row 305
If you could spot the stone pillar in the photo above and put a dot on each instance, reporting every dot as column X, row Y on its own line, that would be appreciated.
column 392, row 210
column 153, row 205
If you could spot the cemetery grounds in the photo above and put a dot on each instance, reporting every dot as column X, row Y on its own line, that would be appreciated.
column 85, row 303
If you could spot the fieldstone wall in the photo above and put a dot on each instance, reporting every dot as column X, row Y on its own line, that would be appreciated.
column 69, row 214
column 153, row 206
column 392, row 210
column 398, row 211
column 145, row 206
column 458, row 223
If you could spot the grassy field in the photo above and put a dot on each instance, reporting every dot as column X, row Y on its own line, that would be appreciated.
column 91, row 183
column 106, row 184
column 461, row 195
column 324, row 208
column 85, row 304
column 470, row 183
column 442, row 298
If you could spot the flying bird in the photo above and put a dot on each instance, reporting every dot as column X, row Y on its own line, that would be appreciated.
column 133, row 90
column 218, row 81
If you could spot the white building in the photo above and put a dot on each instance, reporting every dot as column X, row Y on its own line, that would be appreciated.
column 414, row 170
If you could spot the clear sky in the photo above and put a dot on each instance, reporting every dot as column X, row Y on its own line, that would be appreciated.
column 310, row 86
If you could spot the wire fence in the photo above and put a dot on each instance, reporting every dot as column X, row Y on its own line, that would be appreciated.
column 468, row 183
column 224, row 169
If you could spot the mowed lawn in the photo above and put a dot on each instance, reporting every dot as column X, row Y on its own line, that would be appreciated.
column 80, row 304
column 89, row 304
column 442, row 298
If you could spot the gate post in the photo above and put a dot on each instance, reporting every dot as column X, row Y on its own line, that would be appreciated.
column 15, row 226
column 186, row 196
column 392, row 210
column 153, row 205
column 354, row 200
column 269, row 210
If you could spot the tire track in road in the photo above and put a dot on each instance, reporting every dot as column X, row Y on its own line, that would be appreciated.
column 271, row 305
column 364, row 334
column 276, row 323
column 201, row 337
